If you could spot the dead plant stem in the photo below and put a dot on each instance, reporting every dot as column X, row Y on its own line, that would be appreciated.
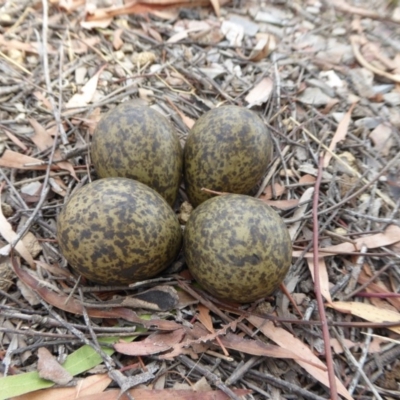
column 317, row 288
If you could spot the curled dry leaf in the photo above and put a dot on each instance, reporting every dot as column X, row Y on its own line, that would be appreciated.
column 339, row 135
column 9, row 235
column 266, row 44
column 50, row 369
column 382, row 137
column 87, row 92
column 355, row 42
column 260, row 93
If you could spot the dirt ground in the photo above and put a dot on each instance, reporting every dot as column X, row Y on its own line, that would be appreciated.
column 324, row 76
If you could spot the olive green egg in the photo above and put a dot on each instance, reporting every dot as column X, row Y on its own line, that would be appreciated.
column 137, row 142
column 227, row 150
column 118, row 231
column 237, row 247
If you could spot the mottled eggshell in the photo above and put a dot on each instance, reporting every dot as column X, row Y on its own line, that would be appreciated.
column 118, row 231
column 139, row 143
column 237, row 247
column 227, row 150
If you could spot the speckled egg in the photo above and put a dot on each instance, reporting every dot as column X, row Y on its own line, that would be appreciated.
column 227, row 150
column 237, row 247
column 118, row 231
column 137, row 142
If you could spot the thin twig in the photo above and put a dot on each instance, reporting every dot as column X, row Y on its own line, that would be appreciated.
column 317, row 288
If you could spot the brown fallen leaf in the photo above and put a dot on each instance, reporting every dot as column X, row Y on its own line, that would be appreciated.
column 266, row 44
column 73, row 306
column 337, row 347
column 272, row 190
column 205, row 318
column 165, row 394
column 43, row 140
column 315, row 367
column 13, row 159
column 68, row 5
column 153, row 344
column 382, row 137
column 379, row 287
column 307, row 179
column 157, row 298
column 260, row 93
column 140, row 7
column 23, row 46
column 9, row 235
column 117, row 41
column 48, row 368
column 390, row 236
column 83, row 98
column 323, row 276
column 355, row 42
column 92, row 385
column 14, row 139
column 283, row 204
column 339, row 135
column 368, row 312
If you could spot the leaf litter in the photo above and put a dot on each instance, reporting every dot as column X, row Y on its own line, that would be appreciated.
column 324, row 79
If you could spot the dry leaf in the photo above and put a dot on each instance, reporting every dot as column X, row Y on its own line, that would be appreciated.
column 339, row 135
column 323, row 276
column 337, row 347
column 92, row 385
column 43, row 140
column 389, row 236
column 87, row 92
column 9, row 235
column 73, row 306
column 205, row 318
column 379, row 287
column 23, row 46
column 117, row 41
column 14, row 139
column 305, row 198
column 307, row 179
column 272, row 191
column 382, row 138
column 266, row 44
column 164, row 394
column 48, row 368
column 153, row 344
column 260, row 93
column 368, row 312
column 140, row 7
column 13, row 159
column 287, row 341
column 283, row 204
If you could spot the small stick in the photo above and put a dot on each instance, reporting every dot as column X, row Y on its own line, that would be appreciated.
column 317, row 288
